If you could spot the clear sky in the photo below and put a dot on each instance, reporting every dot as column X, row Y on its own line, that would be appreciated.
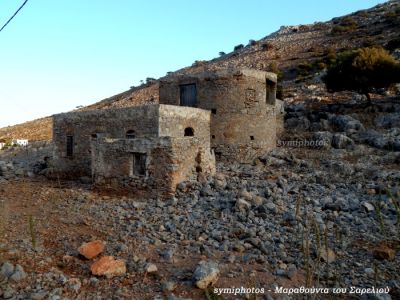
column 58, row 54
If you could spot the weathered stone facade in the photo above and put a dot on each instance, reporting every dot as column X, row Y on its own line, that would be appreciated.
column 243, row 107
column 167, row 162
column 172, row 143
column 233, row 114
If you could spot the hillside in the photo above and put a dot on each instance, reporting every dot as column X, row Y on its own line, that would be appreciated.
column 298, row 52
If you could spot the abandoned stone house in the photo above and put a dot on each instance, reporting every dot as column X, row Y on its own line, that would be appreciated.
column 228, row 114
column 243, row 108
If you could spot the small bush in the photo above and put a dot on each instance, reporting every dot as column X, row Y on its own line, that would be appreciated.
column 267, row 46
column 369, row 42
column 238, row 47
column 304, row 69
column 273, row 67
column 346, row 24
column 330, row 56
column 221, row 53
column 198, row 63
column 252, row 43
column 363, row 14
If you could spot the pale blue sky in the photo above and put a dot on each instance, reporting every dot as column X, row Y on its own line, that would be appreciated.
column 58, row 54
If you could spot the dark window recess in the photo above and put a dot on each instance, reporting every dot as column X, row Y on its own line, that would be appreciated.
column 130, row 134
column 189, row 131
column 188, row 95
column 94, row 135
column 271, row 92
column 70, row 145
column 213, row 136
column 252, row 137
column 139, row 163
column 214, row 111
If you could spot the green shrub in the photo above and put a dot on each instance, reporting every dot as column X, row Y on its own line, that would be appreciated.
column 252, row 43
column 362, row 70
column 346, row 24
column 304, row 69
column 238, row 47
column 267, row 46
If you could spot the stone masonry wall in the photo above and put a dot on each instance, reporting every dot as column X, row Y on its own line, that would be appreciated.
column 243, row 109
column 169, row 161
column 174, row 119
column 146, row 121
column 103, row 123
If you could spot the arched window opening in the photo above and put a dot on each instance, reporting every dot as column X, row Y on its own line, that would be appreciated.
column 130, row 134
column 189, row 131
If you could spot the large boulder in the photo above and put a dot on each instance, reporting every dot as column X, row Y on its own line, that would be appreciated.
column 388, row 120
column 91, row 249
column 345, row 123
column 340, row 141
column 301, row 123
column 206, row 274
column 109, row 267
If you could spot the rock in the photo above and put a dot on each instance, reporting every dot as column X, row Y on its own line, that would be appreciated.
column 7, row 269
column 298, row 124
column 8, row 293
column 257, row 201
column 242, row 204
column 271, row 206
column 151, row 268
column 168, row 286
column 93, row 281
column 388, row 120
column 368, row 206
column 376, row 296
column 206, row 274
column 91, row 249
column 369, row 271
column 246, row 195
column 19, row 274
column 345, row 123
column 108, row 266
column 74, row 284
column 292, row 271
column 340, row 141
column 384, row 252
column 324, row 136
column 41, row 295
column 327, row 255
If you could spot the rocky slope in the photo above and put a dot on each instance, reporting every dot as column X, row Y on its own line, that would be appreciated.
column 325, row 215
column 296, row 51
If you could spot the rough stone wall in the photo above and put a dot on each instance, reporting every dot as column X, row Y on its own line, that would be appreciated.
column 103, row 123
column 146, row 121
column 169, row 161
column 242, row 102
column 174, row 119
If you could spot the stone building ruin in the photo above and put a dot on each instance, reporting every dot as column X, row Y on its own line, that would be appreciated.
column 227, row 114
column 242, row 104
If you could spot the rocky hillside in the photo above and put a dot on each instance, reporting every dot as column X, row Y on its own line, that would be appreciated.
column 298, row 53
